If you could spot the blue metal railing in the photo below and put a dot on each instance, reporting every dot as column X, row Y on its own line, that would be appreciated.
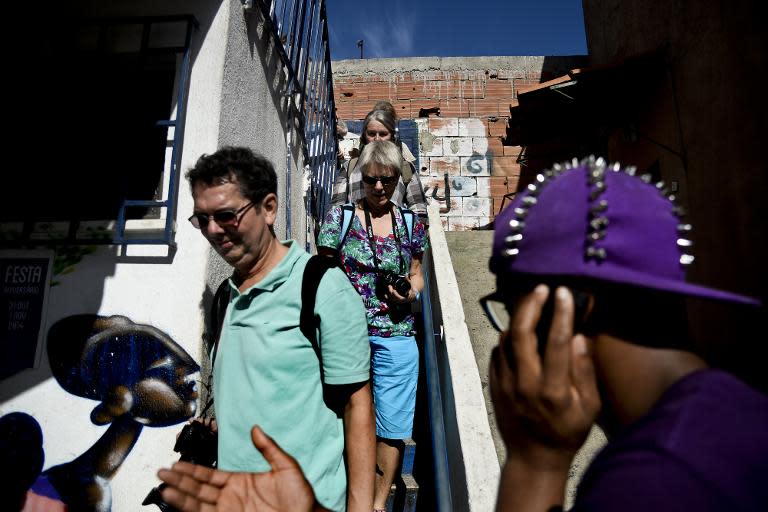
column 300, row 34
column 443, row 496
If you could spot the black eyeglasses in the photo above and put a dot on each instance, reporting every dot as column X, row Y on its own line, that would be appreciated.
column 222, row 217
column 385, row 180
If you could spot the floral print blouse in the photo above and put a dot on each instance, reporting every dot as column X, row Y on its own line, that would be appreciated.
column 356, row 259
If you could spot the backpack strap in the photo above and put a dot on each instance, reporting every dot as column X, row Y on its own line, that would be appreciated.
column 316, row 268
column 408, row 218
column 347, row 212
column 218, row 312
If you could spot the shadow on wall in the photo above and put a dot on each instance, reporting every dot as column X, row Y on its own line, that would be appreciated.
column 72, row 143
column 138, row 375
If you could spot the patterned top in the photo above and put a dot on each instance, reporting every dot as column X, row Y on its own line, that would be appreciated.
column 357, row 261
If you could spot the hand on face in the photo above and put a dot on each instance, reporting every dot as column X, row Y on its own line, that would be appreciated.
column 544, row 409
column 193, row 488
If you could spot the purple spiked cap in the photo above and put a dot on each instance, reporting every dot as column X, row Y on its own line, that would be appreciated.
column 600, row 222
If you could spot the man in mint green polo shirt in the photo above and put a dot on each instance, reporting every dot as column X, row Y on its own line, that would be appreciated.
column 266, row 372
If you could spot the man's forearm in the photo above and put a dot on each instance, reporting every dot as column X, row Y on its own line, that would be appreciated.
column 360, row 441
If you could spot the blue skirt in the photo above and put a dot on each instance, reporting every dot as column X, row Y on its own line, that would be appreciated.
column 395, row 368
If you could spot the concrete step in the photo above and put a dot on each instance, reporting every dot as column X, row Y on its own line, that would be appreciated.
column 405, row 490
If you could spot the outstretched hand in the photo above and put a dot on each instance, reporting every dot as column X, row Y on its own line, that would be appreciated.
column 194, row 488
column 545, row 409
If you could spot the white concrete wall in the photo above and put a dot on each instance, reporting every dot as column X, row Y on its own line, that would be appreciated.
column 150, row 284
column 253, row 110
column 474, row 466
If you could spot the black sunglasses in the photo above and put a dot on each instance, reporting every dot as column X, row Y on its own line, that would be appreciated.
column 385, row 180
column 222, row 217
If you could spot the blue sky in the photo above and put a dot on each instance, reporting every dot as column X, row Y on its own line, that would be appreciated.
column 455, row 28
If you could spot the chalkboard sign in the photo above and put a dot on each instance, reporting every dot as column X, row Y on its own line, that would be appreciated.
column 24, row 283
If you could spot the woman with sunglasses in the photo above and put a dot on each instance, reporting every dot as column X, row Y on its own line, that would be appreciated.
column 383, row 262
column 381, row 124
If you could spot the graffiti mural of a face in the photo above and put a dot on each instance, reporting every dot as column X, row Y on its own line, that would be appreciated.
column 139, row 376
column 130, row 368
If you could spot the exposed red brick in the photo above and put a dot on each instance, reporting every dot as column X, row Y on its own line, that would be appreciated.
column 513, row 182
column 440, row 89
column 381, row 91
column 417, row 104
column 512, row 150
column 481, row 108
column 403, row 109
column 498, row 185
column 499, row 89
column 472, row 89
column 454, row 108
column 351, row 92
column 344, row 111
column 360, row 109
column 505, row 166
column 494, row 146
column 498, row 202
column 497, row 128
column 406, row 90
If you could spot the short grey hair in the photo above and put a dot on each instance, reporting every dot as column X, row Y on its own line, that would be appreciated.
column 381, row 152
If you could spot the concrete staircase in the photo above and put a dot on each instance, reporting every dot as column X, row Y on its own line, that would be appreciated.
column 405, row 489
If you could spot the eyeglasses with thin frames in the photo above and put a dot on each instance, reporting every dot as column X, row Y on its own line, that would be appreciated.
column 222, row 217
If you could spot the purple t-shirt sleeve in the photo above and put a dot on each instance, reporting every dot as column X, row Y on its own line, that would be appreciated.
column 643, row 481
column 703, row 447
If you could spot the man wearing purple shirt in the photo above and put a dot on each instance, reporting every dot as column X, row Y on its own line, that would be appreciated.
column 600, row 253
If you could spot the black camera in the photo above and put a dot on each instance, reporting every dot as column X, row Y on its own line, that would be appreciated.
column 399, row 283
column 197, row 444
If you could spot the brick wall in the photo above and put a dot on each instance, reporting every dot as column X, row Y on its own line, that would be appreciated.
column 466, row 141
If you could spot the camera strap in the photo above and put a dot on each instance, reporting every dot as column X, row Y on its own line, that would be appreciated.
column 372, row 240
